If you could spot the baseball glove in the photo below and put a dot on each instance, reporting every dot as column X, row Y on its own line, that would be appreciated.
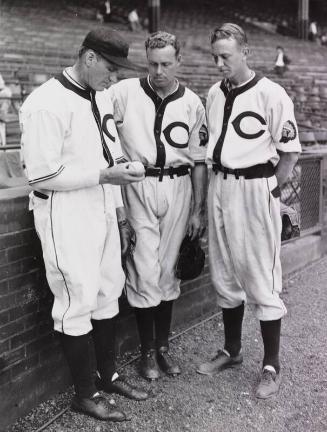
column 190, row 261
column 290, row 222
column 127, row 238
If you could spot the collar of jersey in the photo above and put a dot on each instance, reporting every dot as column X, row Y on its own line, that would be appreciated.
column 172, row 92
column 69, row 83
column 158, row 102
column 224, row 85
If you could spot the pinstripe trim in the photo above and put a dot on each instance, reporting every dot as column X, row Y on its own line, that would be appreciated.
column 61, row 272
column 47, row 177
column 274, row 260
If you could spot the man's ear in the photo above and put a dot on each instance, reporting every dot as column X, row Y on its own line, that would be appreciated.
column 179, row 59
column 245, row 50
column 90, row 58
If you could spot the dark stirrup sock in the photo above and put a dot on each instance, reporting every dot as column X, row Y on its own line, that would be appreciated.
column 270, row 331
column 103, row 333
column 162, row 322
column 78, row 353
column 145, row 324
column 233, row 319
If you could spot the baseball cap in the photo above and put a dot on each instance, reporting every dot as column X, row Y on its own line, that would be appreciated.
column 110, row 45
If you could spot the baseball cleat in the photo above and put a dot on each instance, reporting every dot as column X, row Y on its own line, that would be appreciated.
column 149, row 368
column 269, row 383
column 222, row 360
column 122, row 387
column 96, row 407
column 166, row 362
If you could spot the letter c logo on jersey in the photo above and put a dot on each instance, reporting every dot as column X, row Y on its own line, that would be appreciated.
column 179, row 137
column 105, row 121
column 237, row 125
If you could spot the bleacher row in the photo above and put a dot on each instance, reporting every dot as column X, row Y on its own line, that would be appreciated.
column 38, row 39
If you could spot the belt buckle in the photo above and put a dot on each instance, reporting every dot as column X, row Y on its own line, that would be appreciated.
column 161, row 173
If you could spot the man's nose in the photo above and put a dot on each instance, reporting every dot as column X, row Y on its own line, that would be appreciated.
column 159, row 69
column 220, row 62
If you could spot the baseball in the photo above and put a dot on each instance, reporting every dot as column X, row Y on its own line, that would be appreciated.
column 136, row 168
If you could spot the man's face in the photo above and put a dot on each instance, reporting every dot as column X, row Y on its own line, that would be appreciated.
column 229, row 57
column 101, row 73
column 163, row 65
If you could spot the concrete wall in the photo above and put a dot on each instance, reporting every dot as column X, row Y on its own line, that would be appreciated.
column 29, row 351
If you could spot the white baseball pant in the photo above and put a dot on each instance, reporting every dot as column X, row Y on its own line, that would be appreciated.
column 80, row 240
column 244, row 243
column 159, row 212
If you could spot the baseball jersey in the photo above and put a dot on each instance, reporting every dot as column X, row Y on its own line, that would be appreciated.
column 165, row 132
column 249, row 123
column 70, row 137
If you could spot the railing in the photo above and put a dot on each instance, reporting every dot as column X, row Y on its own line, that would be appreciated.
column 303, row 192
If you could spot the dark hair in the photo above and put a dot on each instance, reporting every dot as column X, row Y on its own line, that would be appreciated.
column 227, row 31
column 162, row 39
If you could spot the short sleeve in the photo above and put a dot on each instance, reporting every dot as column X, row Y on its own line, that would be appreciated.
column 281, row 122
column 198, row 146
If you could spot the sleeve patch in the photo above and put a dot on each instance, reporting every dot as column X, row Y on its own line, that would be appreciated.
column 203, row 135
column 288, row 132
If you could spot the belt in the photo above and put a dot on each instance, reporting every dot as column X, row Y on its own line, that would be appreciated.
column 256, row 171
column 179, row 171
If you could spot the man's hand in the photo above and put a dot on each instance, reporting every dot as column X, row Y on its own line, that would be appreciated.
column 123, row 174
column 196, row 226
column 127, row 237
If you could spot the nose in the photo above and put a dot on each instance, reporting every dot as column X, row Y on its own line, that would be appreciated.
column 159, row 69
column 220, row 62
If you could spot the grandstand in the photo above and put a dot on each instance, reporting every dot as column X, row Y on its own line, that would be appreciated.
column 38, row 39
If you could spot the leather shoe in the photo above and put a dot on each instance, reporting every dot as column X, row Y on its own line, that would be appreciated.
column 121, row 387
column 166, row 362
column 222, row 360
column 149, row 368
column 96, row 407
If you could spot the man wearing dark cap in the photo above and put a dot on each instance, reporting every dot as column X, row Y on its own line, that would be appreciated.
column 75, row 165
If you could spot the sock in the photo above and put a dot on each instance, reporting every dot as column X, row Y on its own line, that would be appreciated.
column 145, row 324
column 162, row 322
column 270, row 331
column 78, row 353
column 104, row 345
column 233, row 319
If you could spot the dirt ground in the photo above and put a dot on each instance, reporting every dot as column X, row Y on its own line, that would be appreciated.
column 226, row 402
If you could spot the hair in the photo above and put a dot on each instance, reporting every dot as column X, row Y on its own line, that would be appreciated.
column 162, row 39
column 227, row 31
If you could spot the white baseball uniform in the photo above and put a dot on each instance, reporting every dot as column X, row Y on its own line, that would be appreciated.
column 159, row 133
column 64, row 137
column 247, row 125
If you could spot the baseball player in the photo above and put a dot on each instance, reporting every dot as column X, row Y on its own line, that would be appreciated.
column 253, row 146
column 159, row 122
column 71, row 148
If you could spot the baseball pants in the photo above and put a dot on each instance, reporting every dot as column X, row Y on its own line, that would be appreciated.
column 244, row 243
column 159, row 212
column 80, row 239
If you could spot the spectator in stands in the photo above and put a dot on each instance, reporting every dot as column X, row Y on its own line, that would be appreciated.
column 134, row 20
column 313, row 31
column 107, row 13
column 5, row 98
column 281, row 62
column 73, row 160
